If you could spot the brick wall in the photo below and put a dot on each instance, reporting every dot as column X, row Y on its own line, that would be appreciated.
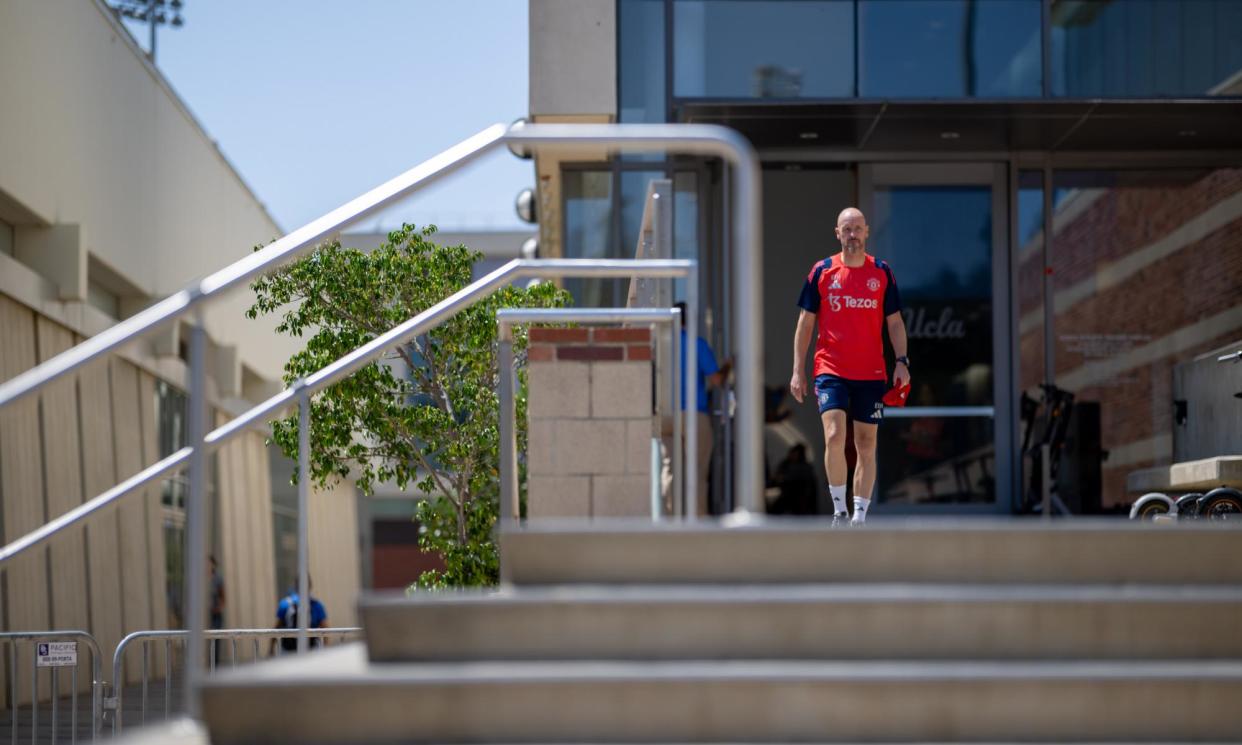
column 1177, row 306
column 591, row 422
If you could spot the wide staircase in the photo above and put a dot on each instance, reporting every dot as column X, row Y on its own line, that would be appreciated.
column 919, row 631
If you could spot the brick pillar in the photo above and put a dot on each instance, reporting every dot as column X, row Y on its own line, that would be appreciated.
column 591, row 422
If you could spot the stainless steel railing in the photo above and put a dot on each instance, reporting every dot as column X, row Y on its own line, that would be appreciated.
column 682, row 139
column 36, row 637
column 115, row 703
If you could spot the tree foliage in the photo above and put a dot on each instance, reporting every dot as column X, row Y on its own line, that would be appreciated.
column 432, row 422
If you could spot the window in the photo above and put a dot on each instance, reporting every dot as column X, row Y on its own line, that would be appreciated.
column 791, row 49
column 763, row 48
column 172, row 433
column 947, row 295
column 949, row 48
column 1146, row 47
column 603, row 209
column 6, row 238
column 588, row 232
column 102, row 299
column 640, row 75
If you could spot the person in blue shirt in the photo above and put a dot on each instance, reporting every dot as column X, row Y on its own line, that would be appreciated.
column 710, row 375
column 287, row 618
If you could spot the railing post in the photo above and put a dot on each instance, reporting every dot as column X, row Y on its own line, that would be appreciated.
column 1045, row 477
column 691, row 405
column 510, row 493
column 679, row 419
column 748, row 323
column 304, row 600
column 196, row 525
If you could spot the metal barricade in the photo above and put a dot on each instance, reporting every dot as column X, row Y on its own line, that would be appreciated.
column 114, row 703
column 42, row 654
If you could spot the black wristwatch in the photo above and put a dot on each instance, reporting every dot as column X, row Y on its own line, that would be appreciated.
column 904, row 360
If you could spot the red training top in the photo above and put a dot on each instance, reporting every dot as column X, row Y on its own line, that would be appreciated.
column 852, row 303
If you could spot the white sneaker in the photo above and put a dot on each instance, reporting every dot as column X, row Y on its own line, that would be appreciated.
column 840, row 518
column 857, row 520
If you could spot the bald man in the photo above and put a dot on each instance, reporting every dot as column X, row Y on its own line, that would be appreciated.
column 853, row 296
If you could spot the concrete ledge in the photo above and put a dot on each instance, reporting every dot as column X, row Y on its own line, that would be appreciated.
column 808, row 622
column 731, row 701
column 1079, row 551
column 1189, row 476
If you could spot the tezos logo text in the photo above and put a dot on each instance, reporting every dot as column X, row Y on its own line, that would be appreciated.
column 836, row 302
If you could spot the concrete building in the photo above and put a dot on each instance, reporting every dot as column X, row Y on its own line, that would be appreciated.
column 112, row 196
column 967, row 132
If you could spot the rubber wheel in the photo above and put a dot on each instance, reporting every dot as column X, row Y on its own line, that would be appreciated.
column 1188, row 505
column 1151, row 509
column 1221, row 504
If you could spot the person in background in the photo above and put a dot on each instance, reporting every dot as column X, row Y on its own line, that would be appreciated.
column 287, row 617
column 710, row 374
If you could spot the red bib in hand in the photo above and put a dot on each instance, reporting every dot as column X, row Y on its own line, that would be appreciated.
column 897, row 396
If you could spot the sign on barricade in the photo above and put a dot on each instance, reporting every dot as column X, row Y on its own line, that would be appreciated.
column 56, row 654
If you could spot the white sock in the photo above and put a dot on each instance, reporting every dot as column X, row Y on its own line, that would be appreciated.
column 860, row 509
column 838, row 498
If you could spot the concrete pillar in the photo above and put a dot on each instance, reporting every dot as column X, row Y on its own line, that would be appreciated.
column 591, row 423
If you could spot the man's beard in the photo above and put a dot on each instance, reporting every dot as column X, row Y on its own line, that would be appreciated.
column 854, row 247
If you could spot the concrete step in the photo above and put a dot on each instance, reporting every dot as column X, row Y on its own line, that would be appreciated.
column 920, row 621
column 336, row 696
column 1091, row 551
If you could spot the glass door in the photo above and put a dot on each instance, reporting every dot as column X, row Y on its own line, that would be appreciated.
column 943, row 228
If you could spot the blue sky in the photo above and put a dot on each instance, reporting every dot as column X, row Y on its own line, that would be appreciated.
column 316, row 101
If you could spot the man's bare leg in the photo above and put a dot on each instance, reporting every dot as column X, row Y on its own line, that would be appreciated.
column 834, row 458
column 864, row 469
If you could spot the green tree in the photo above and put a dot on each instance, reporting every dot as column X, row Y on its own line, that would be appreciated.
column 435, row 424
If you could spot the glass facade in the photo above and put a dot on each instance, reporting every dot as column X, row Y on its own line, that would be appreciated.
column 1143, row 48
column 834, row 49
column 603, row 208
column 1141, row 272
column 589, row 234
column 947, row 295
column 172, row 432
column 949, row 49
column 938, row 239
column 640, row 72
column 763, row 48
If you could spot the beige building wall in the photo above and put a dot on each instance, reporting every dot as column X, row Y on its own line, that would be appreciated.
column 573, row 79
column 111, row 197
column 247, row 556
column 103, row 166
column 335, row 565
column 89, row 430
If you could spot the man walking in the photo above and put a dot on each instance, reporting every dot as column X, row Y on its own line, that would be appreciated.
column 853, row 295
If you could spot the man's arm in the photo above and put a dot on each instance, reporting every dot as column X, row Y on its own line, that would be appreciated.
column 718, row 378
column 802, row 342
column 897, row 337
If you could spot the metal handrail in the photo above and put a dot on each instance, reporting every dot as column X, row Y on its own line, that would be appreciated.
column 350, row 363
column 279, row 252
column 683, row 139
column 510, row 490
column 115, row 702
column 96, row 681
column 705, row 139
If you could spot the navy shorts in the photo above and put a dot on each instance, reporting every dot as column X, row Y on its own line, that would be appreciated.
column 863, row 400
